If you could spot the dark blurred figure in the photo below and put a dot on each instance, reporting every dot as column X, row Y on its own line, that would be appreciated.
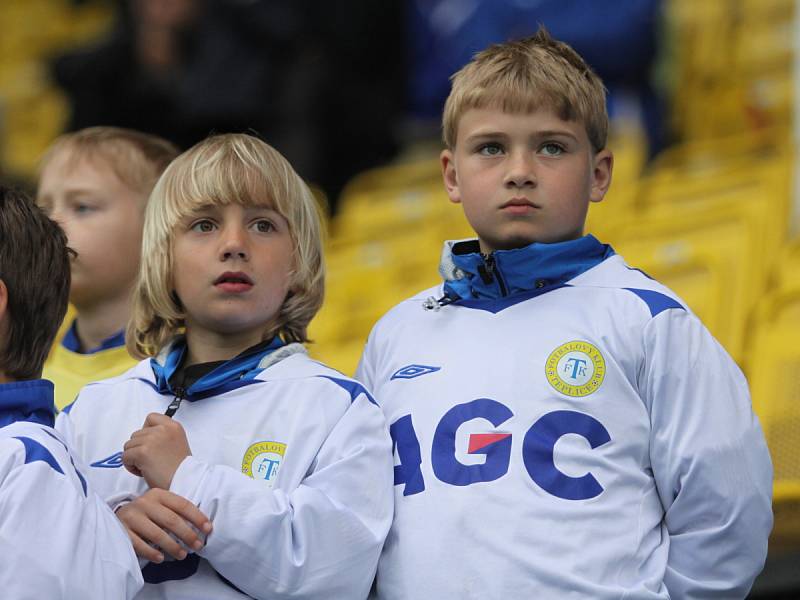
column 618, row 39
column 321, row 81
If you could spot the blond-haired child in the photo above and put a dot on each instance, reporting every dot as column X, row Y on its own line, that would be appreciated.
column 95, row 183
column 564, row 426
column 290, row 460
column 57, row 538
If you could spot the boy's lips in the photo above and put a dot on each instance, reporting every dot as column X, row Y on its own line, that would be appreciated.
column 233, row 282
column 518, row 206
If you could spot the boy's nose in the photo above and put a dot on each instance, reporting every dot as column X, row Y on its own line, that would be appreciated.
column 520, row 172
column 55, row 214
column 234, row 245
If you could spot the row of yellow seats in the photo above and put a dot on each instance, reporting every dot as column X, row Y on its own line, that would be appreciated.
column 714, row 240
column 366, row 279
column 37, row 27
column 730, row 65
column 774, row 376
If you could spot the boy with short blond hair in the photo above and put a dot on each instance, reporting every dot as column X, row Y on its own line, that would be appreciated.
column 95, row 184
column 57, row 538
column 563, row 425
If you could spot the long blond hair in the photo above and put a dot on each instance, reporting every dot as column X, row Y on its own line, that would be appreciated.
column 224, row 169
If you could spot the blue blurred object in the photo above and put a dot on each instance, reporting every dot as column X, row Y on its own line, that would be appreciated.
column 619, row 40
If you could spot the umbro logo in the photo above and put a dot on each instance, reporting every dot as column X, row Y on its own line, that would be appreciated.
column 112, row 462
column 412, row 371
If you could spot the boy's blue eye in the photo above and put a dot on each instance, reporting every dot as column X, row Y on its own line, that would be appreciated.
column 552, row 149
column 490, row 149
column 203, row 226
column 82, row 209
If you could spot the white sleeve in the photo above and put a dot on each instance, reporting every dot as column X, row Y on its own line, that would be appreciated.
column 710, row 461
column 365, row 373
column 57, row 538
column 320, row 540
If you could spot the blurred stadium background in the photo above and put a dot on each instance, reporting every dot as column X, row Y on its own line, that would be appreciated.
column 703, row 97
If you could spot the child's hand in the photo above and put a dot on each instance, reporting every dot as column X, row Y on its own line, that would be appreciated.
column 156, row 451
column 153, row 516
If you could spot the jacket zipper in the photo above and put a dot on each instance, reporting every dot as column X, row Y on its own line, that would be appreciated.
column 493, row 272
column 180, row 394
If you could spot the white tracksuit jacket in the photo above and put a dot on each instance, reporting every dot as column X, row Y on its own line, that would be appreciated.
column 564, row 427
column 58, row 539
column 290, row 460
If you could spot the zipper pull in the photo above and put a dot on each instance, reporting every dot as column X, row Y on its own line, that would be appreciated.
column 490, row 273
column 486, row 270
column 180, row 394
column 431, row 303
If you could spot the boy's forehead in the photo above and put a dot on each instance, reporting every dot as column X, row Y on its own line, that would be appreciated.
column 69, row 157
column 488, row 118
column 207, row 205
column 67, row 164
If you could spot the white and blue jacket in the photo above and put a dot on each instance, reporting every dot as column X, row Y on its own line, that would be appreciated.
column 290, row 460
column 564, row 427
column 58, row 539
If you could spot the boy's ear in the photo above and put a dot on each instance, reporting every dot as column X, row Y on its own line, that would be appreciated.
column 3, row 326
column 3, row 299
column 3, row 310
column 601, row 174
column 449, row 176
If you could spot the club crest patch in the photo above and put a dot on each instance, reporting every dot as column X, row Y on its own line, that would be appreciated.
column 576, row 368
column 263, row 460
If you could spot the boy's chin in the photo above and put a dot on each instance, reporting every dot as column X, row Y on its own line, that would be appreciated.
column 514, row 242
column 507, row 243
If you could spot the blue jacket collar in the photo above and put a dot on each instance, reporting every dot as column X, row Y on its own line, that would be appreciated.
column 471, row 275
column 30, row 401
column 242, row 367
column 71, row 342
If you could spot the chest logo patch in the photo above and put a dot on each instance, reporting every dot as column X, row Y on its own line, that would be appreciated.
column 413, row 371
column 263, row 460
column 576, row 368
column 112, row 462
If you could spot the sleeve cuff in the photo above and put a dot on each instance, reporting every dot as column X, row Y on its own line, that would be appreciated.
column 117, row 501
column 188, row 477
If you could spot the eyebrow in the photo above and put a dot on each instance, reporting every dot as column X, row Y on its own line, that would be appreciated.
column 545, row 133
column 203, row 208
column 78, row 192
column 211, row 207
column 556, row 133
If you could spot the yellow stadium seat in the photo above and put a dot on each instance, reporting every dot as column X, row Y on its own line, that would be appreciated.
column 758, row 196
column 706, row 261
column 366, row 279
column 384, row 213
column 618, row 208
column 418, row 173
column 342, row 357
column 773, row 368
column 787, row 271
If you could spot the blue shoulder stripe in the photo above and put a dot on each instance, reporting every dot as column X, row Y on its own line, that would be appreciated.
column 351, row 387
column 77, row 472
column 34, row 451
column 656, row 301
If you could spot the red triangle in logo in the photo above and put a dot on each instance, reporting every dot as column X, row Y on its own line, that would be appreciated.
column 477, row 441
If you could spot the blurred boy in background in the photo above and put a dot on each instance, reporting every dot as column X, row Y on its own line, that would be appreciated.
column 73, row 547
column 95, row 184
